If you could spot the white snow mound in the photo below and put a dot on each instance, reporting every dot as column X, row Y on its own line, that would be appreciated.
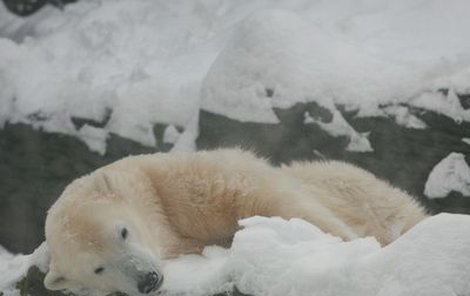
column 450, row 174
column 155, row 61
column 14, row 267
column 278, row 257
column 273, row 256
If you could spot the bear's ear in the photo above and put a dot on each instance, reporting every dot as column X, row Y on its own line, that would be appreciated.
column 102, row 182
column 55, row 281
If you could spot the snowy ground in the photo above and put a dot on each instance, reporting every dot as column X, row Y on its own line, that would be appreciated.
column 272, row 256
column 132, row 64
column 152, row 61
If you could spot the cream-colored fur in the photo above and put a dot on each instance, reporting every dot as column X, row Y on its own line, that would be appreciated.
column 368, row 205
column 177, row 203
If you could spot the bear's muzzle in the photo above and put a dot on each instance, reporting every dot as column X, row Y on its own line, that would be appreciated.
column 149, row 282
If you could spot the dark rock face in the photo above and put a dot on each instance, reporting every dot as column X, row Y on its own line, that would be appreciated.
column 29, row 7
column 33, row 285
column 401, row 155
column 35, row 167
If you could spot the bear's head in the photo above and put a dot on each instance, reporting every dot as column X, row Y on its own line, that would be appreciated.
column 97, row 238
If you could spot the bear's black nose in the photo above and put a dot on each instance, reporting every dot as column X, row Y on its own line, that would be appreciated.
column 149, row 282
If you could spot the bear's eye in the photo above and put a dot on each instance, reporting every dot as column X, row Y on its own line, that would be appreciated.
column 124, row 233
column 99, row 270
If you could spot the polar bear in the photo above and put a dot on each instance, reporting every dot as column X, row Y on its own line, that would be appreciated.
column 111, row 229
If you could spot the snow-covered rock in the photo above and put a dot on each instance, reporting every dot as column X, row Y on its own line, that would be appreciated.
column 450, row 174
column 14, row 267
column 155, row 62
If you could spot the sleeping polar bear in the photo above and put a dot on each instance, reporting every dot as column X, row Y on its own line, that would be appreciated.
column 110, row 230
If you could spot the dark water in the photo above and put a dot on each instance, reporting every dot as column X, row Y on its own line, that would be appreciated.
column 35, row 166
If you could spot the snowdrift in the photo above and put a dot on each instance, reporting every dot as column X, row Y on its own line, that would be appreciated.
column 131, row 64
column 273, row 256
column 127, row 65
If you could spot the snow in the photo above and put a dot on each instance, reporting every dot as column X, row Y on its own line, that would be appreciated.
column 143, row 60
column 95, row 138
column 162, row 61
column 170, row 135
column 14, row 267
column 358, row 142
column 448, row 105
column 404, row 118
column 450, row 174
column 278, row 257
column 133, row 64
column 273, row 256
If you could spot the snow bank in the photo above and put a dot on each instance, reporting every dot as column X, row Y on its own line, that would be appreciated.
column 299, row 61
column 278, row 257
column 448, row 105
column 450, row 174
column 14, row 267
column 142, row 60
column 150, row 61
column 272, row 256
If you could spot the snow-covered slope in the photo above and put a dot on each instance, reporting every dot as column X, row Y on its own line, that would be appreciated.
column 146, row 61
column 131, row 64
column 272, row 256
